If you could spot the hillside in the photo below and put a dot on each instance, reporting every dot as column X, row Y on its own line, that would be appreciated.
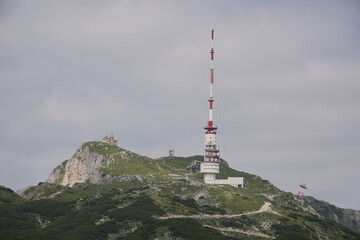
column 106, row 192
column 9, row 196
column 347, row 217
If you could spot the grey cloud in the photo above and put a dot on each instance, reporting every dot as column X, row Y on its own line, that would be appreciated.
column 286, row 85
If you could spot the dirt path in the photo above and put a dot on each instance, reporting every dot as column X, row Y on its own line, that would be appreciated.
column 264, row 208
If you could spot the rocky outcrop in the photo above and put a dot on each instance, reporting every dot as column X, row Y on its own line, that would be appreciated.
column 41, row 191
column 84, row 166
column 347, row 217
column 23, row 192
column 57, row 174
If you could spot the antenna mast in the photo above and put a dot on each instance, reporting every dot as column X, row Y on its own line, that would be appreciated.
column 210, row 167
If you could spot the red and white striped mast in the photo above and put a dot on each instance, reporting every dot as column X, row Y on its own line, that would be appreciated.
column 210, row 167
column 211, row 99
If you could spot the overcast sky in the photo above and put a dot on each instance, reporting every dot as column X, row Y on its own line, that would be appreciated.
column 287, row 86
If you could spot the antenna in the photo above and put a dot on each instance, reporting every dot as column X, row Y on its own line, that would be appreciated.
column 211, row 167
column 211, row 150
column 211, row 98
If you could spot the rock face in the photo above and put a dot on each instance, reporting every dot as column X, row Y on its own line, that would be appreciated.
column 347, row 217
column 41, row 191
column 57, row 174
column 84, row 166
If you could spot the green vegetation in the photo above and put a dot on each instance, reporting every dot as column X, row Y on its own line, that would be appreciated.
column 8, row 196
column 179, row 163
column 136, row 204
column 103, row 148
column 191, row 229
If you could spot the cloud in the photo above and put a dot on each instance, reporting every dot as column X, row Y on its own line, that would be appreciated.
column 286, row 81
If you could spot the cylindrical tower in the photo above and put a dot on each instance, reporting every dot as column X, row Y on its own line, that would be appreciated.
column 210, row 167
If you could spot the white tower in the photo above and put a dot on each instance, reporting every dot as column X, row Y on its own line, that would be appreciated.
column 211, row 164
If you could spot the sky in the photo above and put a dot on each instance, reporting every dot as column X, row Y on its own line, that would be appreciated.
column 287, row 82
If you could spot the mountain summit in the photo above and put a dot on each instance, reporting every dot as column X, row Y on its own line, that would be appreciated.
column 106, row 192
column 95, row 162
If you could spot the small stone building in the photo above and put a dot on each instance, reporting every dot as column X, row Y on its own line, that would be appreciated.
column 110, row 140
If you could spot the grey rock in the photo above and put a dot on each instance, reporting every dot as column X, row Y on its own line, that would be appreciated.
column 84, row 166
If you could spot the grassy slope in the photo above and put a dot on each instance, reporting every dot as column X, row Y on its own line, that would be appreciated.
column 127, row 206
column 125, row 162
column 347, row 217
column 124, row 205
column 8, row 196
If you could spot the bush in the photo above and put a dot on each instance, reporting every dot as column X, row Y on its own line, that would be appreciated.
column 293, row 236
